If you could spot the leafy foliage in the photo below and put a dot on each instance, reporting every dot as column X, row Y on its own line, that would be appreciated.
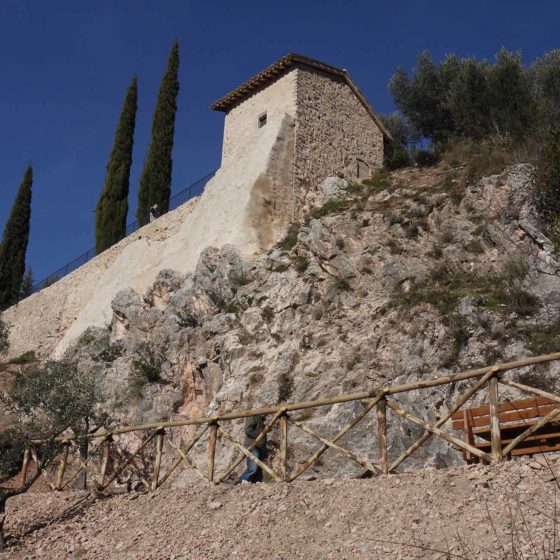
column 112, row 207
column 14, row 244
column 4, row 343
column 290, row 239
column 547, row 185
column 26, row 284
column 466, row 98
column 155, row 181
column 396, row 154
column 51, row 399
column 43, row 403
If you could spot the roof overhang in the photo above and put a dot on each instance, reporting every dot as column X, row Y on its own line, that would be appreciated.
column 280, row 67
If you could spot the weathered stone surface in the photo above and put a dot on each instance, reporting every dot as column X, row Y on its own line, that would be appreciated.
column 239, row 332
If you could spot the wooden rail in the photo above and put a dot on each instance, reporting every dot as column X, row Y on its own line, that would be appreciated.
column 152, row 462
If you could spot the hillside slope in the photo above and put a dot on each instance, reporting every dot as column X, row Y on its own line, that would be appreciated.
column 474, row 513
column 412, row 274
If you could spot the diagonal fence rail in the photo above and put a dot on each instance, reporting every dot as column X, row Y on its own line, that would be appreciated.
column 148, row 455
column 196, row 189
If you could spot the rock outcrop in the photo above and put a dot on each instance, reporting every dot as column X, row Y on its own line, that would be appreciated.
column 388, row 282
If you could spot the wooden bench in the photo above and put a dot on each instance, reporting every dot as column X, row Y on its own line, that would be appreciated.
column 515, row 417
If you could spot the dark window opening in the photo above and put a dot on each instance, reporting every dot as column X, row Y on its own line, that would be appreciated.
column 262, row 120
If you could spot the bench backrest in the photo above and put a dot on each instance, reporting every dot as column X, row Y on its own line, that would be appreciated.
column 513, row 411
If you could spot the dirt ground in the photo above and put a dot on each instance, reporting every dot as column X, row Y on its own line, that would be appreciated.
column 473, row 512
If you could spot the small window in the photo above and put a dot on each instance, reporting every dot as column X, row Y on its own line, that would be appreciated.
column 262, row 120
column 363, row 170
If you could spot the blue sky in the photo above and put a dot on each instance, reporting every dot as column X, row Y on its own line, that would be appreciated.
column 65, row 66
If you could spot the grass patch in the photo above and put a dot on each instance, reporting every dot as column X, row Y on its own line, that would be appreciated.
column 379, row 181
column 290, row 239
column 475, row 247
column 147, row 369
column 497, row 292
column 25, row 358
column 543, row 339
column 393, row 218
column 231, row 307
column 331, row 207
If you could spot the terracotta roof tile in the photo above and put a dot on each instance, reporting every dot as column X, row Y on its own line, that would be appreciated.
column 284, row 64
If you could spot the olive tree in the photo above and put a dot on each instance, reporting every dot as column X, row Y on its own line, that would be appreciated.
column 4, row 344
column 43, row 404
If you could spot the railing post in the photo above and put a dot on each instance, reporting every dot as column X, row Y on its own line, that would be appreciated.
column 62, row 466
column 212, row 450
column 157, row 465
column 105, row 461
column 382, row 434
column 496, row 437
column 283, row 423
column 25, row 465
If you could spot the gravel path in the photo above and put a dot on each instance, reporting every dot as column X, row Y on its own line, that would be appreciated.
column 473, row 512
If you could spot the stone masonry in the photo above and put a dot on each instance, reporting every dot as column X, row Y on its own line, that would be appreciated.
column 286, row 129
column 336, row 130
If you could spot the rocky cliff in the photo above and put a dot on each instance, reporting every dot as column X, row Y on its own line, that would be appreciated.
column 408, row 275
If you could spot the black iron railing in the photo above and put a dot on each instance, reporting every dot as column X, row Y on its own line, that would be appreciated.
column 177, row 200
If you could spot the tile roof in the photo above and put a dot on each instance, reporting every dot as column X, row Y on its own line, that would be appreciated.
column 284, row 64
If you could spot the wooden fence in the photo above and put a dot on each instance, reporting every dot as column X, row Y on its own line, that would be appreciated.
column 158, row 453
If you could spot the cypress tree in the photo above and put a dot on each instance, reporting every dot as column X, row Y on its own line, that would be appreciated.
column 14, row 244
column 27, row 284
column 112, row 207
column 155, row 181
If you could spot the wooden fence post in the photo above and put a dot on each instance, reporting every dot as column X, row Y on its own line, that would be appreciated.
column 283, row 420
column 159, row 449
column 382, row 434
column 62, row 466
column 105, row 461
column 212, row 450
column 496, row 437
column 25, row 465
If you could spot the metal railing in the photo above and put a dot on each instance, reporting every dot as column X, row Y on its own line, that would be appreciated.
column 196, row 189
column 161, row 447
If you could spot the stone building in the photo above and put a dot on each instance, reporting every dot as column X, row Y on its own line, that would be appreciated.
column 286, row 129
column 336, row 131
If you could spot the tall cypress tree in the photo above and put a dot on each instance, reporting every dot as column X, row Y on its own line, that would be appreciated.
column 27, row 284
column 112, row 207
column 155, row 181
column 14, row 244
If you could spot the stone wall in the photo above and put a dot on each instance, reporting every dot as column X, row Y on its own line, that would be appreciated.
column 334, row 131
column 241, row 123
column 247, row 204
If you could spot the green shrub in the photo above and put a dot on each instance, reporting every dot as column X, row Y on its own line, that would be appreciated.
column 491, row 291
column 186, row 319
column 231, row 307
column 426, row 158
column 111, row 352
column 268, row 314
column 543, row 339
column 474, row 247
column 547, row 186
column 290, row 239
column 25, row 358
column 4, row 343
column 353, row 361
column 393, row 218
column 285, row 387
column 331, row 207
column 396, row 156
column 301, row 262
column 342, row 284
column 379, row 181
column 147, row 366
